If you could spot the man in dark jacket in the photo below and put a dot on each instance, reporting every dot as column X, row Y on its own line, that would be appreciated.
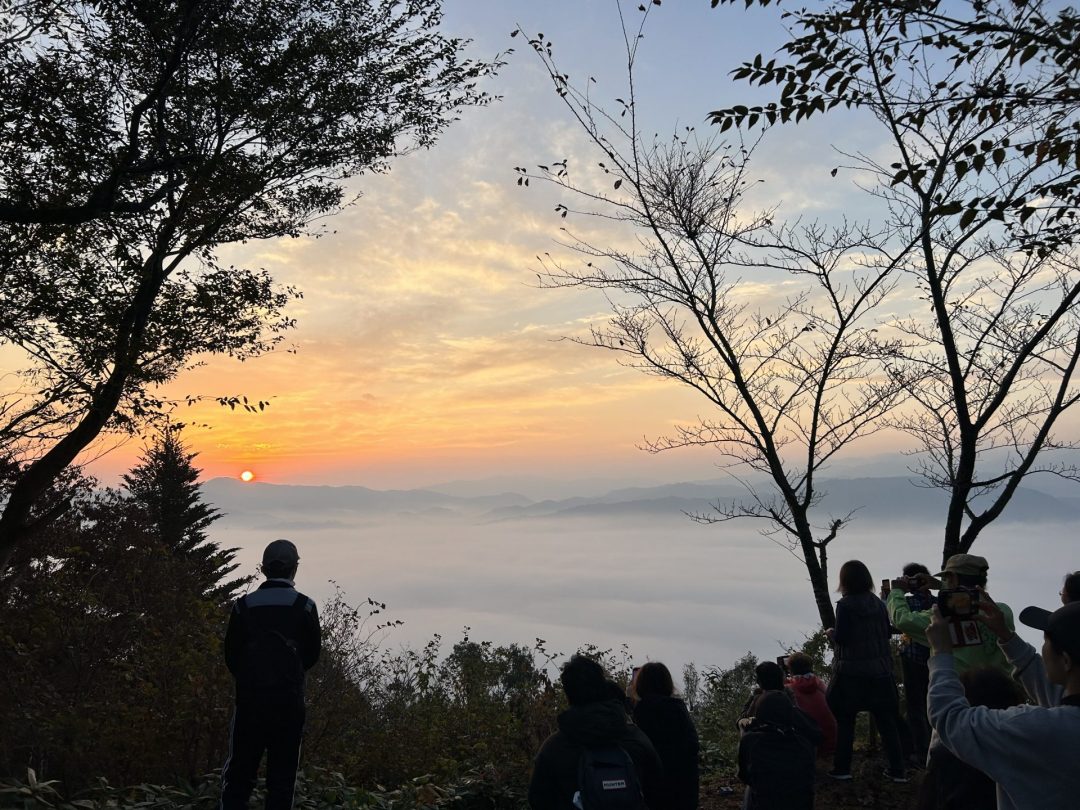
column 273, row 638
column 596, row 720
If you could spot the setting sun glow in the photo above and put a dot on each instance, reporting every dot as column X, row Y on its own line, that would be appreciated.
column 247, row 475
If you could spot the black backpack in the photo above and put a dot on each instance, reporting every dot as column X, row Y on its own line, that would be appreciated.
column 272, row 661
column 779, row 768
column 607, row 780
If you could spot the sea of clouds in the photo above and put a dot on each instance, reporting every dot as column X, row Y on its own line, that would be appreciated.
column 631, row 569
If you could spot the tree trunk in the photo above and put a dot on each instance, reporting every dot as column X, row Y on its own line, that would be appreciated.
column 818, row 580
column 15, row 524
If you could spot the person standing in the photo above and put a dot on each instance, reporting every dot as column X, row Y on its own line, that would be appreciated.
column 975, row 645
column 914, row 657
column 595, row 735
column 776, row 762
column 666, row 722
column 863, row 679
column 810, row 699
column 273, row 638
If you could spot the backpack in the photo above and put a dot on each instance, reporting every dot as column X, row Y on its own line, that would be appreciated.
column 272, row 661
column 607, row 780
column 778, row 765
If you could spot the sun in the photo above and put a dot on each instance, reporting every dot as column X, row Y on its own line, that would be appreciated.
column 247, row 475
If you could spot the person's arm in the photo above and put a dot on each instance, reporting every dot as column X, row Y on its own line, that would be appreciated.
column 1028, row 668
column 650, row 772
column 806, row 726
column 1027, row 664
column 904, row 619
column 992, row 740
column 542, row 793
column 743, row 773
column 234, row 640
column 841, row 630
column 747, row 710
column 312, row 637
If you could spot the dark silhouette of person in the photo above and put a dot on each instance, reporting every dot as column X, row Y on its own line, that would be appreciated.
column 949, row 782
column 863, row 671
column 596, row 719
column 810, row 693
column 273, row 638
column 1070, row 588
column 913, row 664
column 665, row 720
column 769, row 677
column 776, row 761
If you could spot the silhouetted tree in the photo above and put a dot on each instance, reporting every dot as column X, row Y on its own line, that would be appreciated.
column 979, row 104
column 165, row 485
column 138, row 139
column 790, row 385
column 111, row 657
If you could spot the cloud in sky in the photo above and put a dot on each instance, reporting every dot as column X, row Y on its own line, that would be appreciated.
column 423, row 340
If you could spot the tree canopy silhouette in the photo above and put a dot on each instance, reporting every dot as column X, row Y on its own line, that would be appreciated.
column 141, row 137
column 788, row 384
column 979, row 104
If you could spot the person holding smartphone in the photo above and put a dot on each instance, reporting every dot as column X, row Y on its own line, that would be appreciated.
column 1031, row 752
column 975, row 644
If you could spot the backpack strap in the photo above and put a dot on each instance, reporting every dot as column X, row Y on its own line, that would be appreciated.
column 299, row 604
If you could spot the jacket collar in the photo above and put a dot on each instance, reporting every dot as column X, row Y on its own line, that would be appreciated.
column 276, row 582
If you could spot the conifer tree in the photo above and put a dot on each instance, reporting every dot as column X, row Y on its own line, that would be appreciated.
column 165, row 485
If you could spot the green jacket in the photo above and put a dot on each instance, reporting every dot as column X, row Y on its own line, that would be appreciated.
column 985, row 654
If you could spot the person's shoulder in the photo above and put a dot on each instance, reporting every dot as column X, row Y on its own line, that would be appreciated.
column 660, row 708
column 1045, row 723
column 554, row 741
column 632, row 736
column 309, row 603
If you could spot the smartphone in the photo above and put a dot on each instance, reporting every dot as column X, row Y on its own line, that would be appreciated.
column 960, row 603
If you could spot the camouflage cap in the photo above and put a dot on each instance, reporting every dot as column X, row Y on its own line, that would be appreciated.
column 966, row 564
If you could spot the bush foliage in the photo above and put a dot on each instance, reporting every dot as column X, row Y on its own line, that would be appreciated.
column 112, row 669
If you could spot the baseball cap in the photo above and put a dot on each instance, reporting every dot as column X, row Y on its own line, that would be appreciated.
column 281, row 551
column 1062, row 626
column 970, row 565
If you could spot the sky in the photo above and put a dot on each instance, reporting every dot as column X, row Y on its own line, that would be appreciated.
column 424, row 350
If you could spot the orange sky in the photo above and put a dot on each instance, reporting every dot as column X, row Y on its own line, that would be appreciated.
column 425, row 351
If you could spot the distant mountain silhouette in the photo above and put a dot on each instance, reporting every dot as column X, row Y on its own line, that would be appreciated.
column 895, row 499
column 236, row 497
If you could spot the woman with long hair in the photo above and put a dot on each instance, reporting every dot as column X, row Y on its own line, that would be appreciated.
column 863, row 671
column 666, row 722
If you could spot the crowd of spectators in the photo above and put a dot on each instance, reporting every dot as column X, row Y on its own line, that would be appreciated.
column 990, row 721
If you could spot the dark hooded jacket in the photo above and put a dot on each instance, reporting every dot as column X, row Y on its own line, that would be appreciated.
column 594, row 725
column 667, row 724
column 775, row 761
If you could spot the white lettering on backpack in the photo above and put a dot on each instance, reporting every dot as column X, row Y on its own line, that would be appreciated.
column 613, row 784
